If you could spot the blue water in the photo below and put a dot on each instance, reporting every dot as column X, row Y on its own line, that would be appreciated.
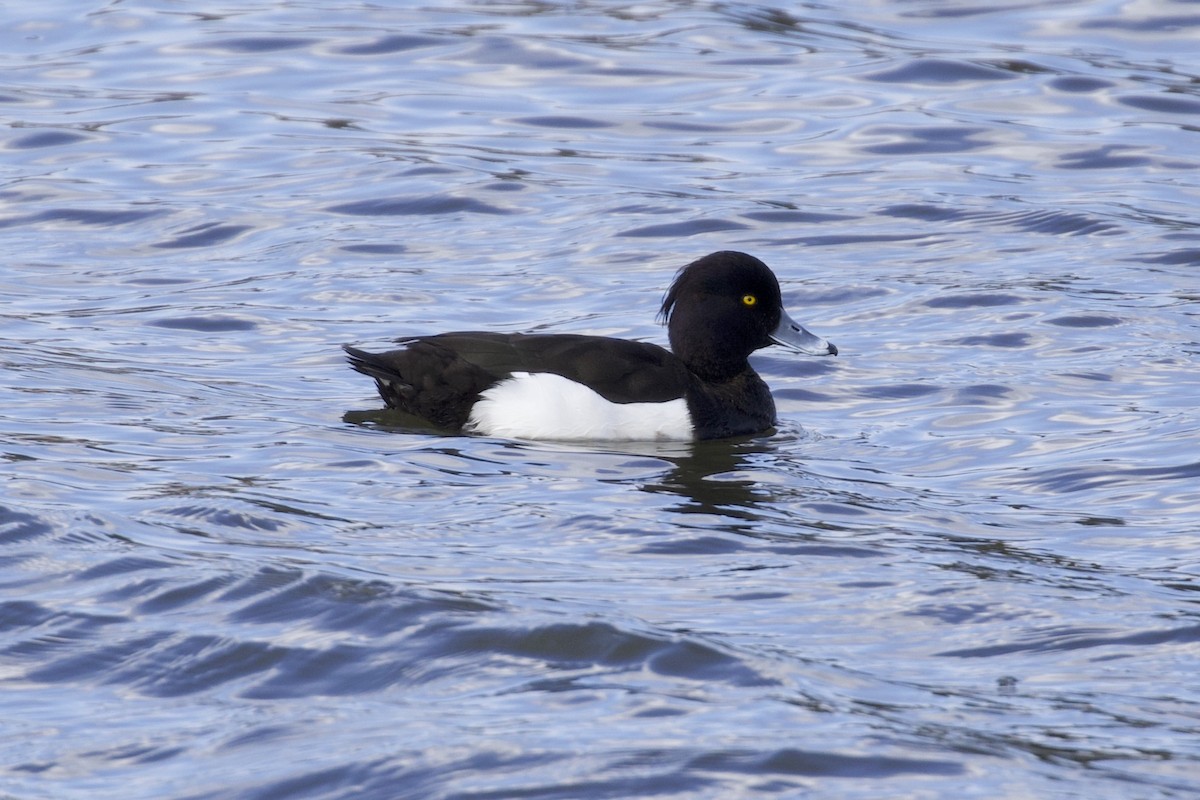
column 965, row 565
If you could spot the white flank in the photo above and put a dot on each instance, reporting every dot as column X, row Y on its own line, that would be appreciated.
column 541, row 405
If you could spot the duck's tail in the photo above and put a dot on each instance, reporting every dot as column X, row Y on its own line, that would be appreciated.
column 392, row 385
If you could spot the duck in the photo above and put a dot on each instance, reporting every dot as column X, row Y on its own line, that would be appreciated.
column 573, row 387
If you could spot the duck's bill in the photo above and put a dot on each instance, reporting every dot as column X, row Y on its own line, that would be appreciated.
column 791, row 334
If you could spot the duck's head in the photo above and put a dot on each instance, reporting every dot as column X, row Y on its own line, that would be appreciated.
column 723, row 307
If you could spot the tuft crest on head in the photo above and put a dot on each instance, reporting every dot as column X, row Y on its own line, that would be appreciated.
column 709, row 275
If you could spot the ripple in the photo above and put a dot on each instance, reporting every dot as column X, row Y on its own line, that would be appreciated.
column 215, row 323
column 1084, row 321
column 257, row 44
column 86, row 216
column 939, row 71
column 1167, row 104
column 1080, row 84
column 1033, row 219
column 901, row 391
column 563, row 121
column 395, row 43
column 103, row 662
column 1083, row 639
column 1190, row 255
column 375, row 249
column 1158, row 23
column 20, row 526
column 121, row 566
column 931, row 139
column 784, row 217
column 996, row 340
column 1085, row 478
column 49, row 138
column 208, row 234
column 575, row 646
column 837, row 239
column 790, row 761
column 1103, row 157
column 22, row 614
column 689, row 228
column 372, row 607
column 443, row 204
column 975, row 300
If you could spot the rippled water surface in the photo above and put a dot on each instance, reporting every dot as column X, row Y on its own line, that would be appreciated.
column 965, row 564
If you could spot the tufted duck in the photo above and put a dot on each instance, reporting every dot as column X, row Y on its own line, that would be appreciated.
column 719, row 310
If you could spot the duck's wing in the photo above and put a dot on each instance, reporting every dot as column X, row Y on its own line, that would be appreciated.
column 619, row 370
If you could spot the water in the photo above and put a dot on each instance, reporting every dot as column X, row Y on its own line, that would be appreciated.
column 963, row 566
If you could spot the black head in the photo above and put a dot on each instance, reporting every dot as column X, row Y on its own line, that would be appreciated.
column 723, row 307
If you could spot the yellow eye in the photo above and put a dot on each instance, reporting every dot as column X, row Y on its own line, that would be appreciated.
column 749, row 300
